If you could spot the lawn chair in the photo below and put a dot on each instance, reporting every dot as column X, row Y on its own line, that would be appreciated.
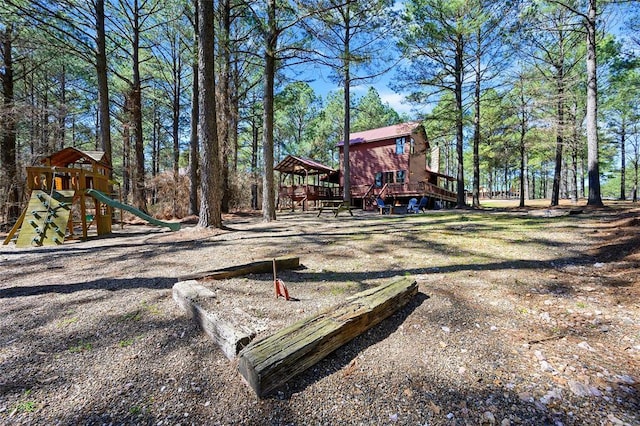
column 382, row 206
column 422, row 205
column 412, row 207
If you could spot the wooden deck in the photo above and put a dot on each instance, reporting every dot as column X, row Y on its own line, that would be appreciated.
column 291, row 197
column 399, row 191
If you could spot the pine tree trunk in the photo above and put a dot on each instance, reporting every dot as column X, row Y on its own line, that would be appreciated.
column 255, row 135
column 175, row 125
column 224, row 40
column 8, row 126
column 62, row 110
column 476, row 130
column 555, row 192
column 268, row 192
column 194, row 153
column 523, row 157
column 623, row 160
column 139, row 196
column 103, row 83
column 592, row 109
column 458, row 70
column 211, row 178
column 346, row 194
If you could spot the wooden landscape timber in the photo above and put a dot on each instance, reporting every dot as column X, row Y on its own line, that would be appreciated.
column 268, row 363
column 263, row 266
column 230, row 334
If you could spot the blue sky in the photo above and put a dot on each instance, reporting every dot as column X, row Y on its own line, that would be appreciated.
column 318, row 78
column 322, row 84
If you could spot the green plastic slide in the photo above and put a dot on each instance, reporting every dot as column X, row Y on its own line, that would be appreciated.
column 174, row 226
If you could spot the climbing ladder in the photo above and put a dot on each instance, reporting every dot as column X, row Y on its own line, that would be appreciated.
column 45, row 219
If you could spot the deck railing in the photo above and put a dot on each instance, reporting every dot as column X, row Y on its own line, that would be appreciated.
column 413, row 189
column 310, row 192
column 297, row 193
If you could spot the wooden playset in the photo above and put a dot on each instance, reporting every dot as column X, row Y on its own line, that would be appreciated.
column 70, row 192
column 59, row 203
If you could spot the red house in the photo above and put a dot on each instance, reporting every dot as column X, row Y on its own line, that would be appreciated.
column 392, row 162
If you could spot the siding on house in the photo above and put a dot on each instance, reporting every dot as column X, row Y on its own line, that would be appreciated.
column 374, row 156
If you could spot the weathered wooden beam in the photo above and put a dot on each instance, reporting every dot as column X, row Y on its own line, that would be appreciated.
column 230, row 334
column 270, row 362
column 259, row 267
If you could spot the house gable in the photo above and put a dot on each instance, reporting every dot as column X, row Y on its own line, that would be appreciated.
column 388, row 154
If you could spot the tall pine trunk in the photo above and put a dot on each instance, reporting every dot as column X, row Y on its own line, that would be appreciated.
column 271, row 41
column 194, row 142
column 458, row 71
column 346, row 195
column 175, row 122
column 103, row 83
column 211, row 177
column 139, row 196
column 623, row 160
column 8, row 125
column 224, row 40
column 592, row 109
column 476, row 130
column 557, row 172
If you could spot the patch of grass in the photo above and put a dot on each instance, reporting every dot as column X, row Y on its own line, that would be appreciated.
column 341, row 289
column 125, row 343
column 81, row 347
column 337, row 290
column 522, row 310
column 66, row 321
column 135, row 410
column 581, row 305
column 153, row 309
column 27, row 406
column 132, row 316
column 359, row 236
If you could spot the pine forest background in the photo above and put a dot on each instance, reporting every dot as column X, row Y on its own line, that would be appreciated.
column 501, row 87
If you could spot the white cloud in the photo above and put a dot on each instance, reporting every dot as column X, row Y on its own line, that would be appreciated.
column 395, row 101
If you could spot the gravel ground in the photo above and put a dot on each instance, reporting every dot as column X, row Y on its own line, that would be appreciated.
column 522, row 318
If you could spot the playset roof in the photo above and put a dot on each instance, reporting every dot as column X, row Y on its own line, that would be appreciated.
column 72, row 155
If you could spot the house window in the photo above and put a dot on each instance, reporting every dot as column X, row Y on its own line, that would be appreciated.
column 399, row 146
column 400, row 176
column 383, row 178
column 412, row 147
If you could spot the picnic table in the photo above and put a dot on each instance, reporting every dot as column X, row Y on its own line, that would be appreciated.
column 334, row 206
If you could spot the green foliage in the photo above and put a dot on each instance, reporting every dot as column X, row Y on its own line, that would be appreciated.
column 81, row 347
column 132, row 316
column 125, row 343
column 66, row 321
column 328, row 129
column 296, row 107
column 371, row 113
column 26, row 407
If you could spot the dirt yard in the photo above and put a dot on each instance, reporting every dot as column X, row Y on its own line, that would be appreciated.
column 522, row 317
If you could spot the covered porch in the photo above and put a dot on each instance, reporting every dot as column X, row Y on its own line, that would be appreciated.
column 305, row 183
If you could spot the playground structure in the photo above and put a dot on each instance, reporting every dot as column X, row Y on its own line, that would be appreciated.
column 69, row 192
